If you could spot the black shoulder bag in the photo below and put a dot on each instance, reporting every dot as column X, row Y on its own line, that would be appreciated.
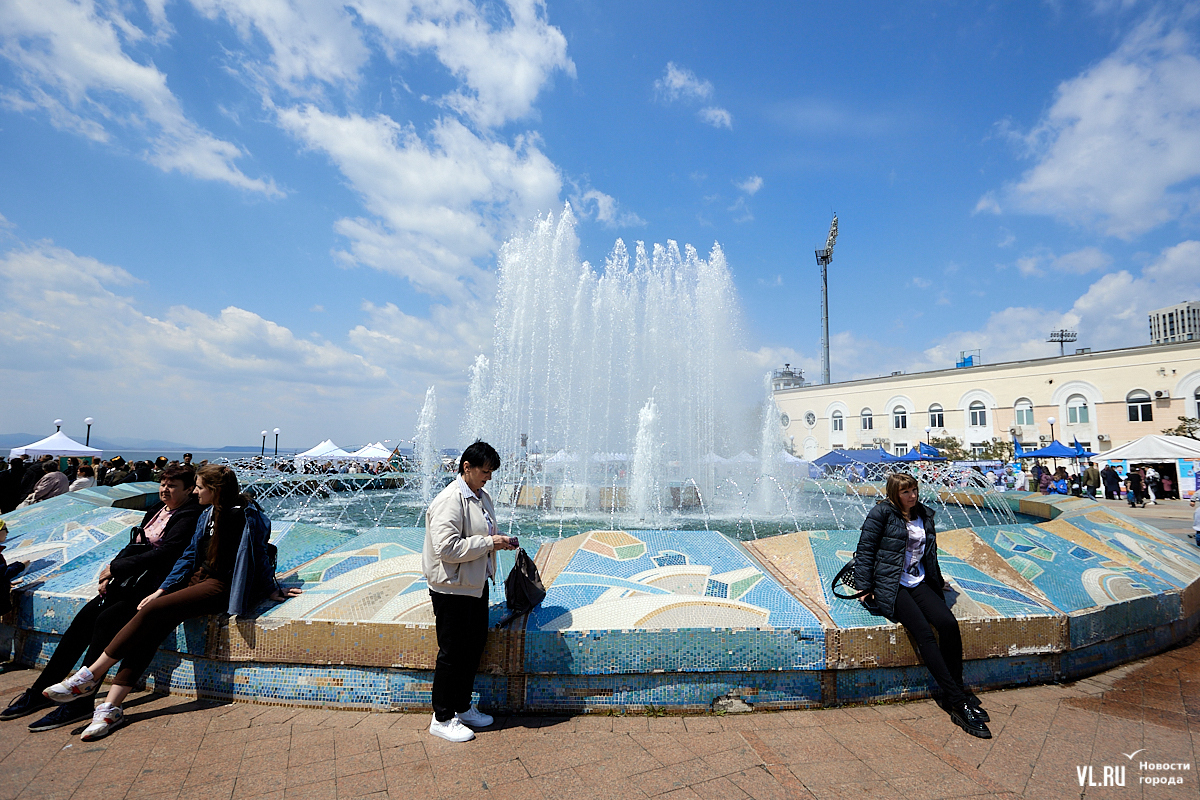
column 523, row 587
column 130, row 585
column 845, row 577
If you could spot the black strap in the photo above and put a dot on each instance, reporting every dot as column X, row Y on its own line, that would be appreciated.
column 845, row 577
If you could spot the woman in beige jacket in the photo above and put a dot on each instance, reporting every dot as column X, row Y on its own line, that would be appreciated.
column 461, row 541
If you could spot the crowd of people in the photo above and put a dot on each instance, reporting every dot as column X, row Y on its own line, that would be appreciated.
column 24, row 481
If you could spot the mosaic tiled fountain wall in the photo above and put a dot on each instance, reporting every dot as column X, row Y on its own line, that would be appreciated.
column 634, row 618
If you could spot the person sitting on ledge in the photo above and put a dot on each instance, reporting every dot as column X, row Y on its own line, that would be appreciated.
column 896, row 564
column 86, row 479
column 225, row 568
column 52, row 483
column 138, row 569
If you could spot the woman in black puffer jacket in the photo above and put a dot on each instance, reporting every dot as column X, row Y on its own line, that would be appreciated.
column 896, row 564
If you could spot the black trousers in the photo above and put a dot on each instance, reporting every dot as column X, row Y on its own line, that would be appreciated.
column 92, row 629
column 462, row 626
column 921, row 610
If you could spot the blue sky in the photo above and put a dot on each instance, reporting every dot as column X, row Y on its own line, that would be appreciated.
column 224, row 216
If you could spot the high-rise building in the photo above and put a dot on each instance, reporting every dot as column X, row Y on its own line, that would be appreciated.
column 1177, row 323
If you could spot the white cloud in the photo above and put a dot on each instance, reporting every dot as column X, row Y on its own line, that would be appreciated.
column 439, row 204
column 717, row 117
column 1083, row 261
column 987, row 204
column 1110, row 313
column 182, row 374
column 69, row 61
column 751, row 185
column 919, row 282
column 1118, row 148
column 680, row 83
column 741, row 211
column 502, row 64
column 606, row 210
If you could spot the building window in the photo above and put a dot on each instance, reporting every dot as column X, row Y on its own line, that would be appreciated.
column 838, row 421
column 937, row 418
column 1024, row 409
column 899, row 448
column 868, row 422
column 977, row 449
column 978, row 415
column 1077, row 410
column 1138, row 403
column 1197, row 399
column 899, row 418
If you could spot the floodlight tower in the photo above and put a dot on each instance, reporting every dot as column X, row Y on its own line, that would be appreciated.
column 823, row 258
column 1061, row 337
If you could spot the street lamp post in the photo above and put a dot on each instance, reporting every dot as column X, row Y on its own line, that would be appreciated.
column 1051, row 420
column 57, row 425
column 277, row 442
column 264, row 445
column 928, row 435
column 88, row 421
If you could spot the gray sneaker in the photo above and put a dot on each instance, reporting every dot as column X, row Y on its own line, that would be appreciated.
column 105, row 720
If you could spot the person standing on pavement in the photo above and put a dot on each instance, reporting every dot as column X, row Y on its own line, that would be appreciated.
column 1112, row 482
column 896, row 564
column 458, row 558
column 1091, row 480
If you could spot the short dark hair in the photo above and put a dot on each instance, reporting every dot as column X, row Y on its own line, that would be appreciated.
column 479, row 453
column 186, row 475
column 51, row 466
column 86, row 471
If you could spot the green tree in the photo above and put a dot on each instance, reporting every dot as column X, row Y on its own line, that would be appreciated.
column 1188, row 426
column 952, row 448
column 1001, row 451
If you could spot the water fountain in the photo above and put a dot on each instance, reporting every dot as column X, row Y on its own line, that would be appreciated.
column 429, row 461
column 576, row 353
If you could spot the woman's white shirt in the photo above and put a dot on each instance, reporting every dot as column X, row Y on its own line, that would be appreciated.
column 914, row 567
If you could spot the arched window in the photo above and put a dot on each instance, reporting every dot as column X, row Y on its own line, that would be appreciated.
column 868, row 422
column 1077, row 410
column 1024, row 412
column 838, row 421
column 899, row 418
column 1139, row 405
column 1196, row 398
column 937, row 417
column 978, row 414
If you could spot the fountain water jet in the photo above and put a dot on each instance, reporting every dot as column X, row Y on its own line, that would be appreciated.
column 425, row 445
column 575, row 353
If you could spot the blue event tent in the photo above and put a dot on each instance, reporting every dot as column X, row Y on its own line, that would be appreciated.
column 1055, row 449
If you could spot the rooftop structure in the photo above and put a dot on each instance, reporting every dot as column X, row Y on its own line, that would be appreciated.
column 1177, row 323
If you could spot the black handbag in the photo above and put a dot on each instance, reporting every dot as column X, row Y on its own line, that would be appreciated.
column 523, row 587
column 845, row 577
column 131, row 584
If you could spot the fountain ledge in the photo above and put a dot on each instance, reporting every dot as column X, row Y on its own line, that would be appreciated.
column 635, row 619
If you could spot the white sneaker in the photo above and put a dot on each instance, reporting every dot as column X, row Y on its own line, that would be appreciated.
column 105, row 719
column 81, row 684
column 475, row 718
column 452, row 730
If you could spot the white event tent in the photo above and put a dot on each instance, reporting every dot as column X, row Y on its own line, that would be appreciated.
column 57, row 444
column 372, row 452
column 1153, row 447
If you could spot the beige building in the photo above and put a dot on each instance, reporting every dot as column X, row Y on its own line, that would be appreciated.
column 1103, row 399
